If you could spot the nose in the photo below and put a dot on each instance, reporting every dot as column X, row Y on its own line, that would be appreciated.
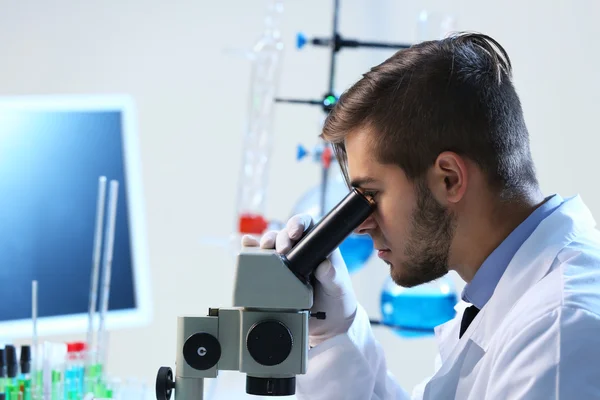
column 369, row 224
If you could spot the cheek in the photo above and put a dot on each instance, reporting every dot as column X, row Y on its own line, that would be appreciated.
column 393, row 217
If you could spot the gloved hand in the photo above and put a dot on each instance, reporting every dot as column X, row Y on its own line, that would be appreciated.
column 333, row 292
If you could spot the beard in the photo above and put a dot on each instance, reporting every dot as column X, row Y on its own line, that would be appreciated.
column 427, row 250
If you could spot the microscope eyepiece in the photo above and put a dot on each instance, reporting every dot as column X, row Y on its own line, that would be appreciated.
column 320, row 241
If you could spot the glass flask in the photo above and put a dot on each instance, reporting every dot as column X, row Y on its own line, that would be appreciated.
column 418, row 309
column 266, row 58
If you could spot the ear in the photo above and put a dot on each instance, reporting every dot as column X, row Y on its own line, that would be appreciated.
column 448, row 178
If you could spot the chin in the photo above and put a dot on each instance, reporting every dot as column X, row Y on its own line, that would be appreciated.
column 408, row 276
column 401, row 280
column 398, row 274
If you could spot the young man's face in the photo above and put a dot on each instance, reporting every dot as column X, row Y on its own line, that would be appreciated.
column 410, row 229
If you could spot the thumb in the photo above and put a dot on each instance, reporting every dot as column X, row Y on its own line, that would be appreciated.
column 333, row 276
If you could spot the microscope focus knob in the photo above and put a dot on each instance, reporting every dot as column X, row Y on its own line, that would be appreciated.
column 269, row 342
column 202, row 351
column 164, row 383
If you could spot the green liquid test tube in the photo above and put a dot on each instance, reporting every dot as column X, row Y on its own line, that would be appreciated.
column 15, row 393
column 56, row 386
column 8, row 387
column 94, row 376
column 27, row 390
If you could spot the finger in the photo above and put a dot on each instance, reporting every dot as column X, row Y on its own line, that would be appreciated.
column 283, row 243
column 289, row 236
column 333, row 275
column 268, row 240
column 298, row 224
column 249, row 241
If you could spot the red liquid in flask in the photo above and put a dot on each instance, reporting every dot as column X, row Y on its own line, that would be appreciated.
column 252, row 224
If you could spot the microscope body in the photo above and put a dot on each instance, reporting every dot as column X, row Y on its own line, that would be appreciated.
column 264, row 334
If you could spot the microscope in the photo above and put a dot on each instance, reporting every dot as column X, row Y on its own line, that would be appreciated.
column 265, row 333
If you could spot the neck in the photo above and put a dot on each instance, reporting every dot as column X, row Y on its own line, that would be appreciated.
column 486, row 227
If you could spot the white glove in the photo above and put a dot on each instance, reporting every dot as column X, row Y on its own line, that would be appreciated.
column 333, row 292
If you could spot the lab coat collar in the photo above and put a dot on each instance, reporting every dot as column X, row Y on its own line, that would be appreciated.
column 447, row 333
column 530, row 264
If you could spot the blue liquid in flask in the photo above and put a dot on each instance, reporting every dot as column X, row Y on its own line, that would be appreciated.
column 356, row 251
column 418, row 309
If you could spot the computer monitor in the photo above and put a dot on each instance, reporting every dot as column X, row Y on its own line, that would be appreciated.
column 53, row 149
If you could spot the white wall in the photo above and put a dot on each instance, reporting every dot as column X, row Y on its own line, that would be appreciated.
column 171, row 57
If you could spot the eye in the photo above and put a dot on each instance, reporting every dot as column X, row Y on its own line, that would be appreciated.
column 370, row 193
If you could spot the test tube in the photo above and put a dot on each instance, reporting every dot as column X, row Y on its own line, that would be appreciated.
column 100, row 205
column 25, row 375
column 12, row 365
column 2, row 372
column 108, row 256
column 12, row 369
column 58, row 354
column 34, row 338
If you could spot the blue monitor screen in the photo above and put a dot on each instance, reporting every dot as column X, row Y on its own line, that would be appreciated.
column 50, row 162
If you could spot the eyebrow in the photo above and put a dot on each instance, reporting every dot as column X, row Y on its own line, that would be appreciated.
column 361, row 182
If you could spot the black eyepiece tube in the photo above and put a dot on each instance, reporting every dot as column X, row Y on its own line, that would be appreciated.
column 320, row 241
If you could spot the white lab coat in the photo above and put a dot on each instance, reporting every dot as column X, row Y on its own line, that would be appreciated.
column 538, row 337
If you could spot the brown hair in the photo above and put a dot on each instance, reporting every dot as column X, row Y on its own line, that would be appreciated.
column 453, row 94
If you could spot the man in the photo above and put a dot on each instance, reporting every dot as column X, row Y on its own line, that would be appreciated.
column 436, row 135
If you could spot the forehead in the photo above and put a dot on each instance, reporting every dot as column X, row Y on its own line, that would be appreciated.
column 362, row 162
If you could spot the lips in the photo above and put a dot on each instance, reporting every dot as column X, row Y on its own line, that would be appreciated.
column 382, row 253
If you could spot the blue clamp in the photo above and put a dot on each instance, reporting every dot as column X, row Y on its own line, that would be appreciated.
column 300, row 152
column 300, row 40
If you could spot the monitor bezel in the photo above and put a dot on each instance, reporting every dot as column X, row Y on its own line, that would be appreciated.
column 141, row 315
